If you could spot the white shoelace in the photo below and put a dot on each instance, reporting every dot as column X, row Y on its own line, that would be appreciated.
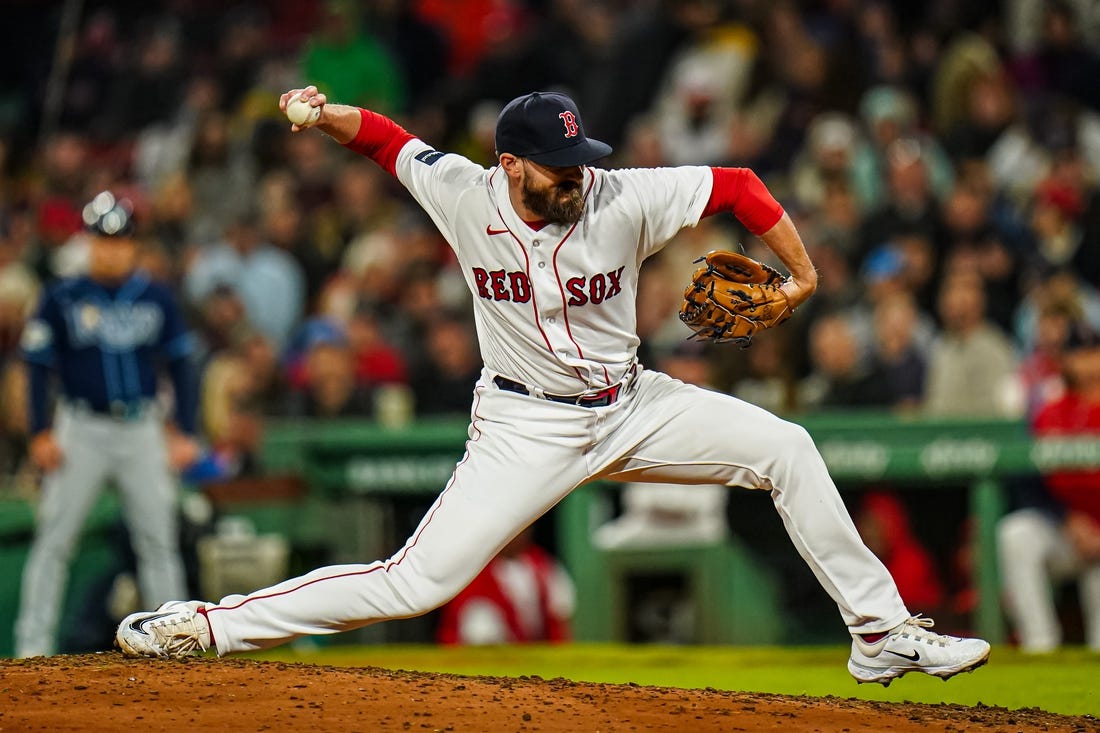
column 918, row 628
column 178, row 637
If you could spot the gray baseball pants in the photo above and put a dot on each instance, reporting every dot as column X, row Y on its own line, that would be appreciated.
column 98, row 449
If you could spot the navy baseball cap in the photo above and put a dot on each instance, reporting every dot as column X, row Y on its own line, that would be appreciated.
column 545, row 127
column 107, row 216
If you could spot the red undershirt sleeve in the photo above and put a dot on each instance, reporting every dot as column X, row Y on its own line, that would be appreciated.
column 380, row 139
column 740, row 191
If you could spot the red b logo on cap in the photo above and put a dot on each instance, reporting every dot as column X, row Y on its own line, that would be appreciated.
column 570, row 121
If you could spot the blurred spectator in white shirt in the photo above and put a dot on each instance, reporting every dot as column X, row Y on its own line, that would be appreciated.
column 972, row 367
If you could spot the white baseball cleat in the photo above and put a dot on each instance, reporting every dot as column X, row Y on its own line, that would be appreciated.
column 174, row 630
column 913, row 647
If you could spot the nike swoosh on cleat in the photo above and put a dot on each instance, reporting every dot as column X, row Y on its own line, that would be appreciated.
column 490, row 231
column 914, row 657
column 138, row 624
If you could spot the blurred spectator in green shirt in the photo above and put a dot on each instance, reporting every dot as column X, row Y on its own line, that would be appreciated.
column 350, row 65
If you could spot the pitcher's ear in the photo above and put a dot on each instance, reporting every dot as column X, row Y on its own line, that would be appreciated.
column 511, row 164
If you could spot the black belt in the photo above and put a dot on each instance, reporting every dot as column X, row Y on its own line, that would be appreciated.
column 603, row 398
column 116, row 410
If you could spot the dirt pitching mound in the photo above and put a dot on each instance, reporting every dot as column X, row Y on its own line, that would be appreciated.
column 107, row 692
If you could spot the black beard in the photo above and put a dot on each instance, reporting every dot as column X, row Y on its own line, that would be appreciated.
column 548, row 206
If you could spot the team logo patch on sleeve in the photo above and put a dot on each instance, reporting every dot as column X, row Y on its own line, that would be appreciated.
column 36, row 336
column 429, row 157
column 89, row 317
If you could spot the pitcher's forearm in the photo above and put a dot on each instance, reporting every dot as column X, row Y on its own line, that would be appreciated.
column 783, row 239
column 340, row 122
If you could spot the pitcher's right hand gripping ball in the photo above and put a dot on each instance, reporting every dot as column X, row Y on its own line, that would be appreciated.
column 732, row 297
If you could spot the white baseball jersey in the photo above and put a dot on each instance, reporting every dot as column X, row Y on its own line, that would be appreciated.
column 554, row 307
column 555, row 311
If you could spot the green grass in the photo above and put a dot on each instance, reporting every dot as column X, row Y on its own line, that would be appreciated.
column 1068, row 682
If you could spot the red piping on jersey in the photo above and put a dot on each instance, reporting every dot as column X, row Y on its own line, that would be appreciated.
column 740, row 190
column 380, row 139
column 557, row 276
column 385, row 568
column 564, row 304
column 527, row 269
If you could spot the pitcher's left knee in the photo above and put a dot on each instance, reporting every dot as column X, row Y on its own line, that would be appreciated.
column 794, row 446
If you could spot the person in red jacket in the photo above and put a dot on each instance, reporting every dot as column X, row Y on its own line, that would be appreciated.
column 1041, row 547
column 883, row 522
column 523, row 595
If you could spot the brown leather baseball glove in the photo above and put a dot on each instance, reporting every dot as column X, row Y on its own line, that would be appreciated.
column 732, row 297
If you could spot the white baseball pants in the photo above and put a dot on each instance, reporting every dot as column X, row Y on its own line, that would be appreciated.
column 525, row 454
column 1035, row 556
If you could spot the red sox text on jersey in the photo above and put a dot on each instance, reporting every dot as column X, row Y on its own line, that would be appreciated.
column 516, row 286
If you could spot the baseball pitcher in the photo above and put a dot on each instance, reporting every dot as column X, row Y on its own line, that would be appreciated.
column 550, row 248
column 103, row 335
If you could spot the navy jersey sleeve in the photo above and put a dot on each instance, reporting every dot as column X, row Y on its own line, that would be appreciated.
column 176, row 341
column 178, row 345
column 38, row 407
column 42, row 336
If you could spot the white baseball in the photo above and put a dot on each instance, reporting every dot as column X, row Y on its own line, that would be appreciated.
column 301, row 113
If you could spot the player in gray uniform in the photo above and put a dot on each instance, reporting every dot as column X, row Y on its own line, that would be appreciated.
column 103, row 336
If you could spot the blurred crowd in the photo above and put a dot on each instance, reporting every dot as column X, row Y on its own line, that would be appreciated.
column 939, row 159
